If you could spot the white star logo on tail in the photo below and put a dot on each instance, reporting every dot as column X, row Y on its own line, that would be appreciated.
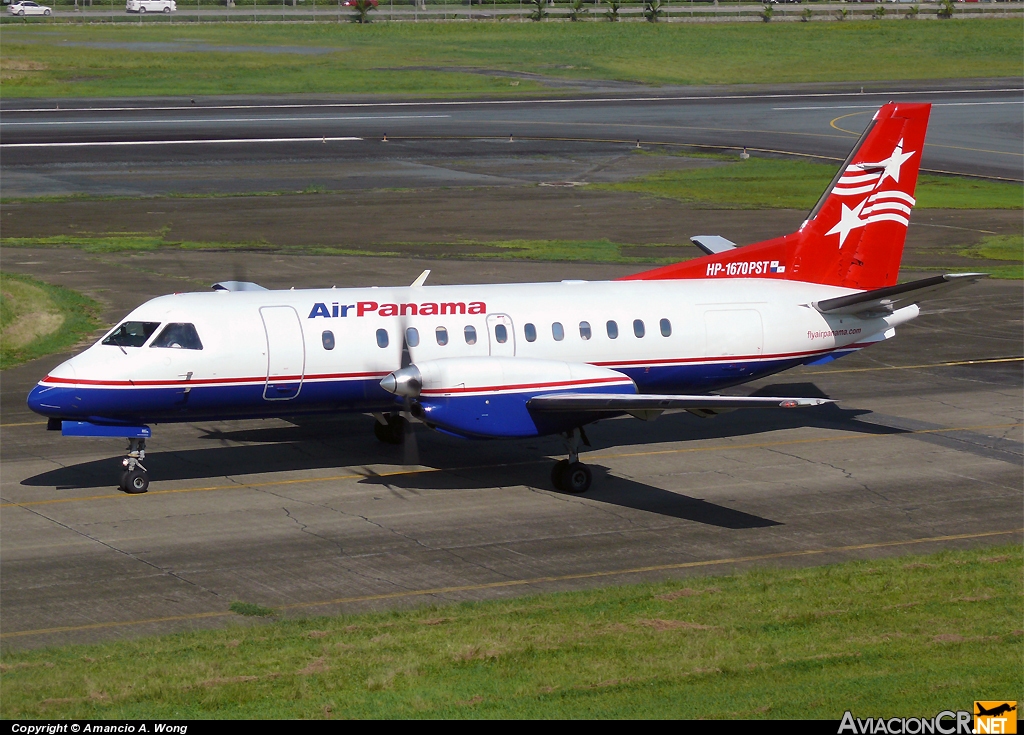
column 849, row 219
column 894, row 162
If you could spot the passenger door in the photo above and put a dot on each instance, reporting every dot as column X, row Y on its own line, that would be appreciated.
column 286, row 352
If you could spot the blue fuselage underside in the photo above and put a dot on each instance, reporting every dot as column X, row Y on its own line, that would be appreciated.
column 178, row 404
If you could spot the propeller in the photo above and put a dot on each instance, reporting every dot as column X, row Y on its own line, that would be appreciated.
column 410, row 450
column 407, row 382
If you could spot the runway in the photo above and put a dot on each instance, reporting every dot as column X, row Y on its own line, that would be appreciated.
column 923, row 450
column 166, row 146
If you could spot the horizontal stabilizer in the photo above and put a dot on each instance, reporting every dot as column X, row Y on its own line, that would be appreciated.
column 713, row 244
column 630, row 402
column 890, row 298
column 237, row 286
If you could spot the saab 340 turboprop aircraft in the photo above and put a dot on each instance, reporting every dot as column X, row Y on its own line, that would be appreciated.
column 521, row 360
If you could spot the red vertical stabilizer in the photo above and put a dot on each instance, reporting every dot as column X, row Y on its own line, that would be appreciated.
column 854, row 235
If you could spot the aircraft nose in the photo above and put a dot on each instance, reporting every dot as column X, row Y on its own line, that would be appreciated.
column 50, row 400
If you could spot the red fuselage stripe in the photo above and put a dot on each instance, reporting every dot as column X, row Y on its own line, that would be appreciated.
column 526, row 386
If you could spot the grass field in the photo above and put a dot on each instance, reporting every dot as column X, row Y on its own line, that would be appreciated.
column 39, row 319
column 760, row 183
column 907, row 636
column 428, row 58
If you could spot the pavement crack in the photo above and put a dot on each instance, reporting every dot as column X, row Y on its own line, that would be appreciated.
column 304, row 528
column 847, row 474
column 123, row 552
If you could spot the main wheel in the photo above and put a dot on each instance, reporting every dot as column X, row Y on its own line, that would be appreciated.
column 135, row 481
column 558, row 473
column 576, row 478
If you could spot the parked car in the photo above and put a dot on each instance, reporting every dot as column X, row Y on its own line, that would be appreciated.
column 150, row 6
column 351, row 3
column 27, row 7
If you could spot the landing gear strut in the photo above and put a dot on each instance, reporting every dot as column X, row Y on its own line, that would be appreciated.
column 571, row 475
column 390, row 428
column 134, row 477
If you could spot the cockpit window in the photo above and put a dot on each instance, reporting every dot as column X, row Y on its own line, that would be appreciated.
column 131, row 334
column 180, row 336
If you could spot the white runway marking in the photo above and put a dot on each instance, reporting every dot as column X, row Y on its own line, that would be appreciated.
column 192, row 121
column 100, row 144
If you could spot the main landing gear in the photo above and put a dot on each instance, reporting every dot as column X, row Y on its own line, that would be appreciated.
column 134, row 477
column 570, row 475
column 390, row 428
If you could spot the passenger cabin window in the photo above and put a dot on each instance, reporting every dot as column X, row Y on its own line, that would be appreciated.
column 531, row 332
column 442, row 336
column 412, row 337
column 584, row 330
column 613, row 330
column 501, row 334
column 328, row 339
column 382, row 338
column 470, row 334
column 557, row 332
column 131, row 334
column 638, row 327
column 666, row 328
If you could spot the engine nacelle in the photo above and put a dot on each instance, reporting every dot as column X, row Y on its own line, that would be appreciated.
column 487, row 396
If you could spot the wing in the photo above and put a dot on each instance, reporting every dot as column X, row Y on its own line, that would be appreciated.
column 647, row 406
column 886, row 300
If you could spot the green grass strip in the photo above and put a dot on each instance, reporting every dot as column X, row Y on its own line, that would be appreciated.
column 595, row 251
column 25, row 303
column 1006, row 253
column 760, row 183
column 432, row 58
column 904, row 636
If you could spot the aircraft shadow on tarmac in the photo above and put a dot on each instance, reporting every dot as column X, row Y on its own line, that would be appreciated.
column 345, row 442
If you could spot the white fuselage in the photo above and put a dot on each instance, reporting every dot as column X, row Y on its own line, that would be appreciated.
column 267, row 352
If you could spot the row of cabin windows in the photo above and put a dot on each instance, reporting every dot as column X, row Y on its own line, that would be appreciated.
column 412, row 335
column 611, row 329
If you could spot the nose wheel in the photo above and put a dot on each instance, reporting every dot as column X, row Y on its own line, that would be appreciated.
column 134, row 477
column 570, row 475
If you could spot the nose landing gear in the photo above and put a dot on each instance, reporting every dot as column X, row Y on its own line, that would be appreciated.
column 570, row 475
column 134, row 477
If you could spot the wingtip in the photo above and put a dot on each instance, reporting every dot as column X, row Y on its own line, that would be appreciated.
column 966, row 276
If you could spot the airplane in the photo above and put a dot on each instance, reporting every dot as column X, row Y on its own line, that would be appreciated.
column 522, row 360
column 996, row 711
